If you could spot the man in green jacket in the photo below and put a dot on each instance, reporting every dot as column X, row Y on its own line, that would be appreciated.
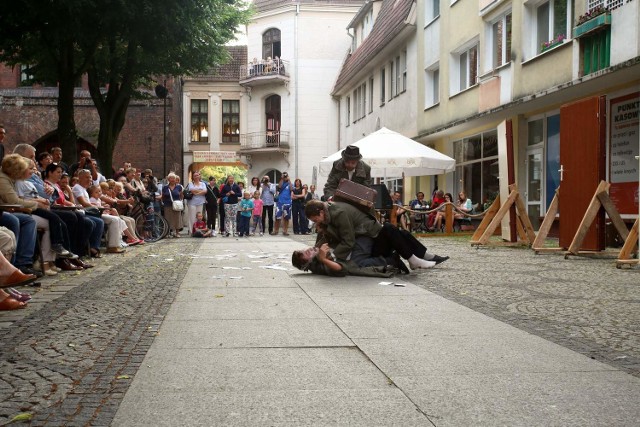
column 342, row 223
column 351, row 167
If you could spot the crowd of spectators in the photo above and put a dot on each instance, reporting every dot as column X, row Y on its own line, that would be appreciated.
column 231, row 208
column 59, row 214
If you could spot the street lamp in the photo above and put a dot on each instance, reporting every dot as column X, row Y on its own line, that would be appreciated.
column 162, row 92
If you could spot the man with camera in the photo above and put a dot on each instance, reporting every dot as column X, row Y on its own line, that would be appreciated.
column 267, row 195
column 85, row 162
column 283, row 205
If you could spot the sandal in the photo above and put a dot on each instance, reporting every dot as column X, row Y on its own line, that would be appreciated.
column 18, row 296
column 95, row 253
column 11, row 304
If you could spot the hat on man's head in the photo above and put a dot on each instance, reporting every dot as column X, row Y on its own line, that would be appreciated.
column 351, row 153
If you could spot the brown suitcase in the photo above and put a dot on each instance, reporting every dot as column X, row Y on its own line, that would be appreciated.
column 356, row 194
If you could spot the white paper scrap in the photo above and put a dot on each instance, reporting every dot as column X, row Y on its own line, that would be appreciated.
column 230, row 268
column 400, row 285
column 274, row 267
column 385, row 283
column 235, row 277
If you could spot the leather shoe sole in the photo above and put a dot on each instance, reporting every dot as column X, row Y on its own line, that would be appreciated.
column 18, row 278
column 79, row 263
column 115, row 250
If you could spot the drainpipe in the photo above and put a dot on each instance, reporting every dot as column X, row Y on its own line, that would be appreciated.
column 295, row 48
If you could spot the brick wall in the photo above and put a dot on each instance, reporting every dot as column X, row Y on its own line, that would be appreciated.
column 30, row 116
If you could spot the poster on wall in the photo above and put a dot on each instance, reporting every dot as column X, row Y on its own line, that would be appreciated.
column 624, row 118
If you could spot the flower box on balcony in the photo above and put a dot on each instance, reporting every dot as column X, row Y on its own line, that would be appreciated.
column 594, row 24
column 551, row 45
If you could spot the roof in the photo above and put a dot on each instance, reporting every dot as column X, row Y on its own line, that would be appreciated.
column 389, row 23
column 226, row 72
column 267, row 5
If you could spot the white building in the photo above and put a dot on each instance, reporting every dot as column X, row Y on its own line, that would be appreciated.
column 271, row 107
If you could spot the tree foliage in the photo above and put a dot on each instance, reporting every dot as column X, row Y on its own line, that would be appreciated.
column 122, row 45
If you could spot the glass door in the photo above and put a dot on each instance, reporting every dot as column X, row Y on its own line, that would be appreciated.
column 534, row 186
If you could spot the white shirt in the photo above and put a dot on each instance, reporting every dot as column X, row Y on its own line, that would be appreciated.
column 80, row 191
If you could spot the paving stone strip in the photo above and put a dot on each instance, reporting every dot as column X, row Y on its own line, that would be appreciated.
column 71, row 363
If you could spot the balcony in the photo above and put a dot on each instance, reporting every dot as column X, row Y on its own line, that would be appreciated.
column 264, row 142
column 264, row 72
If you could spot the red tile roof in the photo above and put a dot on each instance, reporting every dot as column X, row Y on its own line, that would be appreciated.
column 389, row 23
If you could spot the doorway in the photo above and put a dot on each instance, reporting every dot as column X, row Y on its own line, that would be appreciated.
column 535, row 172
column 582, row 166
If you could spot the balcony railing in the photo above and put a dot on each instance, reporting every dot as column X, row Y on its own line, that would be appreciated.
column 267, row 141
column 265, row 70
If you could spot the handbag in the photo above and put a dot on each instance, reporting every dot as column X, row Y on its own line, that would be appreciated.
column 187, row 194
column 93, row 211
column 176, row 205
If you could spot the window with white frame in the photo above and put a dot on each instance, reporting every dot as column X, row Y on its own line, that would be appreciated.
column 432, row 86
column 403, row 70
column 465, row 69
column 431, row 11
column 501, row 40
column 348, row 102
column 477, row 169
column 359, row 102
column 371, row 94
column 199, row 120
column 392, row 80
column 383, row 83
column 230, row 121
column 548, row 22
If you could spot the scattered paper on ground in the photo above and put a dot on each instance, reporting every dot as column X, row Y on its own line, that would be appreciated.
column 400, row 285
column 385, row 283
column 235, row 277
column 274, row 267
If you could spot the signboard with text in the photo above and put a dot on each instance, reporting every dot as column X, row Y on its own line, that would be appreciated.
column 624, row 118
column 215, row 157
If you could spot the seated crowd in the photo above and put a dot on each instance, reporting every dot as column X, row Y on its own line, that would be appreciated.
column 59, row 213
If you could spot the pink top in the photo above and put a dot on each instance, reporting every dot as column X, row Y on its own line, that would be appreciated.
column 257, row 207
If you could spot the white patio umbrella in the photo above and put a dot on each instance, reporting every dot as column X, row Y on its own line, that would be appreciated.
column 391, row 154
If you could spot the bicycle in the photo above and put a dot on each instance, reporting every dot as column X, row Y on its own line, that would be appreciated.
column 150, row 225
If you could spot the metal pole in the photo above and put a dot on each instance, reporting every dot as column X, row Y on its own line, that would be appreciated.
column 164, row 133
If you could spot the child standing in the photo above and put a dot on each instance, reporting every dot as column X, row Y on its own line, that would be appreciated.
column 257, row 214
column 200, row 227
column 245, row 209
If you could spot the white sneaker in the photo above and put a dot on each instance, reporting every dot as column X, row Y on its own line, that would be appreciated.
column 261, row 234
column 214, row 234
column 415, row 263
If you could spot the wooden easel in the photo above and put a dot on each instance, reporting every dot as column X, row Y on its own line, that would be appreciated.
column 493, row 216
column 600, row 199
column 630, row 246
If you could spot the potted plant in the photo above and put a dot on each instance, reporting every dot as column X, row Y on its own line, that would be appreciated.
column 594, row 20
column 557, row 40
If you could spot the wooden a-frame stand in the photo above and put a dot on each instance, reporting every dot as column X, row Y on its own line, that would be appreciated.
column 599, row 200
column 493, row 217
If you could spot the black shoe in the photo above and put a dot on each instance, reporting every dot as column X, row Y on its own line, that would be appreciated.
column 439, row 259
column 399, row 264
column 29, row 270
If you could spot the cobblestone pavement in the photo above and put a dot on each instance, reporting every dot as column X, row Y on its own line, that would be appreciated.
column 68, row 359
column 584, row 304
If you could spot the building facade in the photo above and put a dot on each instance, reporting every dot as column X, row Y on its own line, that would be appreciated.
column 276, row 114
column 555, row 84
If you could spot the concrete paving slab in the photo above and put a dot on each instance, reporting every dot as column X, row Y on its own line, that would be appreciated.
column 487, row 353
column 291, row 408
column 354, row 286
column 396, row 303
column 526, row 399
column 250, row 333
column 255, row 369
column 246, row 303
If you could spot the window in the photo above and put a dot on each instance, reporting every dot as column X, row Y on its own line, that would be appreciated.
column 271, row 44
column 501, row 40
column 552, row 22
column 392, row 80
column 348, row 101
column 359, row 102
column 432, row 86
column 595, row 51
column 370, row 94
column 544, row 133
column 477, row 166
column 467, row 62
column 230, row 121
column 199, row 120
column 432, row 11
column 383, row 82
column 403, row 69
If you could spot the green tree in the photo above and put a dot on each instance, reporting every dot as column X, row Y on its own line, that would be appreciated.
column 147, row 38
column 121, row 45
column 54, row 40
